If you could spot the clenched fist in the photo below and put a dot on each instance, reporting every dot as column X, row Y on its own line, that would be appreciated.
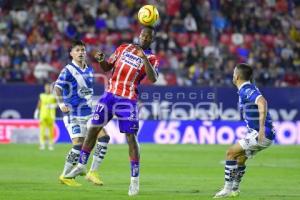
column 99, row 56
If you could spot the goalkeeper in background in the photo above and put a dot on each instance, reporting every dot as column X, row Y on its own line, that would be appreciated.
column 45, row 111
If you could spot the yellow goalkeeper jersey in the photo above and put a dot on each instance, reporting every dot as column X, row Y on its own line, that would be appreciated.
column 48, row 106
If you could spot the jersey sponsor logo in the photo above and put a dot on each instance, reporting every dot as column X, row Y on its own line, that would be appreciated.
column 131, row 59
column 84, row 91
column 76, row 129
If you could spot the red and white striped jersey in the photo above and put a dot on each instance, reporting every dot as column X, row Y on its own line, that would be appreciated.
column 128, row 70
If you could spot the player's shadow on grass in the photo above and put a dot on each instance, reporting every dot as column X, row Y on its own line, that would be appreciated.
column 187, row 191
column 181, row 191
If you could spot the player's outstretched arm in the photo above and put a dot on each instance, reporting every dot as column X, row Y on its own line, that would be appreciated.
column 262, row 109
column 100, row 57
column 150, row 71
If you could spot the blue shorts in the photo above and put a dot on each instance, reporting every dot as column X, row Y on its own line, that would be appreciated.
column 126, row 111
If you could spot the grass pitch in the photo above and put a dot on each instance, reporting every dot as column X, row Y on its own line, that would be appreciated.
column 167, row 172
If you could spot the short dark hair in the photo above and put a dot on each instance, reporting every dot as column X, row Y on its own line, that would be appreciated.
column 245, row 71
column 150, row 28
column 77, row 43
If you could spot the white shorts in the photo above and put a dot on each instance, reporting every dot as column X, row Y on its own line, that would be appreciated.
column 250, row 143
column 76, row 125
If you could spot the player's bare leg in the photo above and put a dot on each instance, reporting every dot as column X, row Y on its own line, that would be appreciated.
column 134, row 155
column 230, row 170
column 91, row 137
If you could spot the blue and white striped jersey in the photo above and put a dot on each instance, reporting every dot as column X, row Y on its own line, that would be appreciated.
column 248, row 96
column 77, row 88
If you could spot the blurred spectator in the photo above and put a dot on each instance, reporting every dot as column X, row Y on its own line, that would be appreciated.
column 42, row 71
column 4, row 58
column 219, row 22
column 190, row 23
column 198, row 41
column 122, row 21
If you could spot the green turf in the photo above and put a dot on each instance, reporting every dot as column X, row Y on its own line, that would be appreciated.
column 167, row 172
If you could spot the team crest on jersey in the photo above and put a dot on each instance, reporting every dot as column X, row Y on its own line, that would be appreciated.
column 249, row 92
column 131, row 59
column 96, row 117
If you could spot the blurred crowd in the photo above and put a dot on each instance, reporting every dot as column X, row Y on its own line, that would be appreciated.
column 198, row 42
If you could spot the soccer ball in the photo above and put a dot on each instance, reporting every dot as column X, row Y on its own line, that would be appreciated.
column 148, row 15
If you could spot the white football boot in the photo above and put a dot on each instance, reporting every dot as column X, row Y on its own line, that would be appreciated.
column 134, row 186
column 79, row 170
column 225, row 192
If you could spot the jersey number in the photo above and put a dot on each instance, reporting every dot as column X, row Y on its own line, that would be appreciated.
column 99, row 108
